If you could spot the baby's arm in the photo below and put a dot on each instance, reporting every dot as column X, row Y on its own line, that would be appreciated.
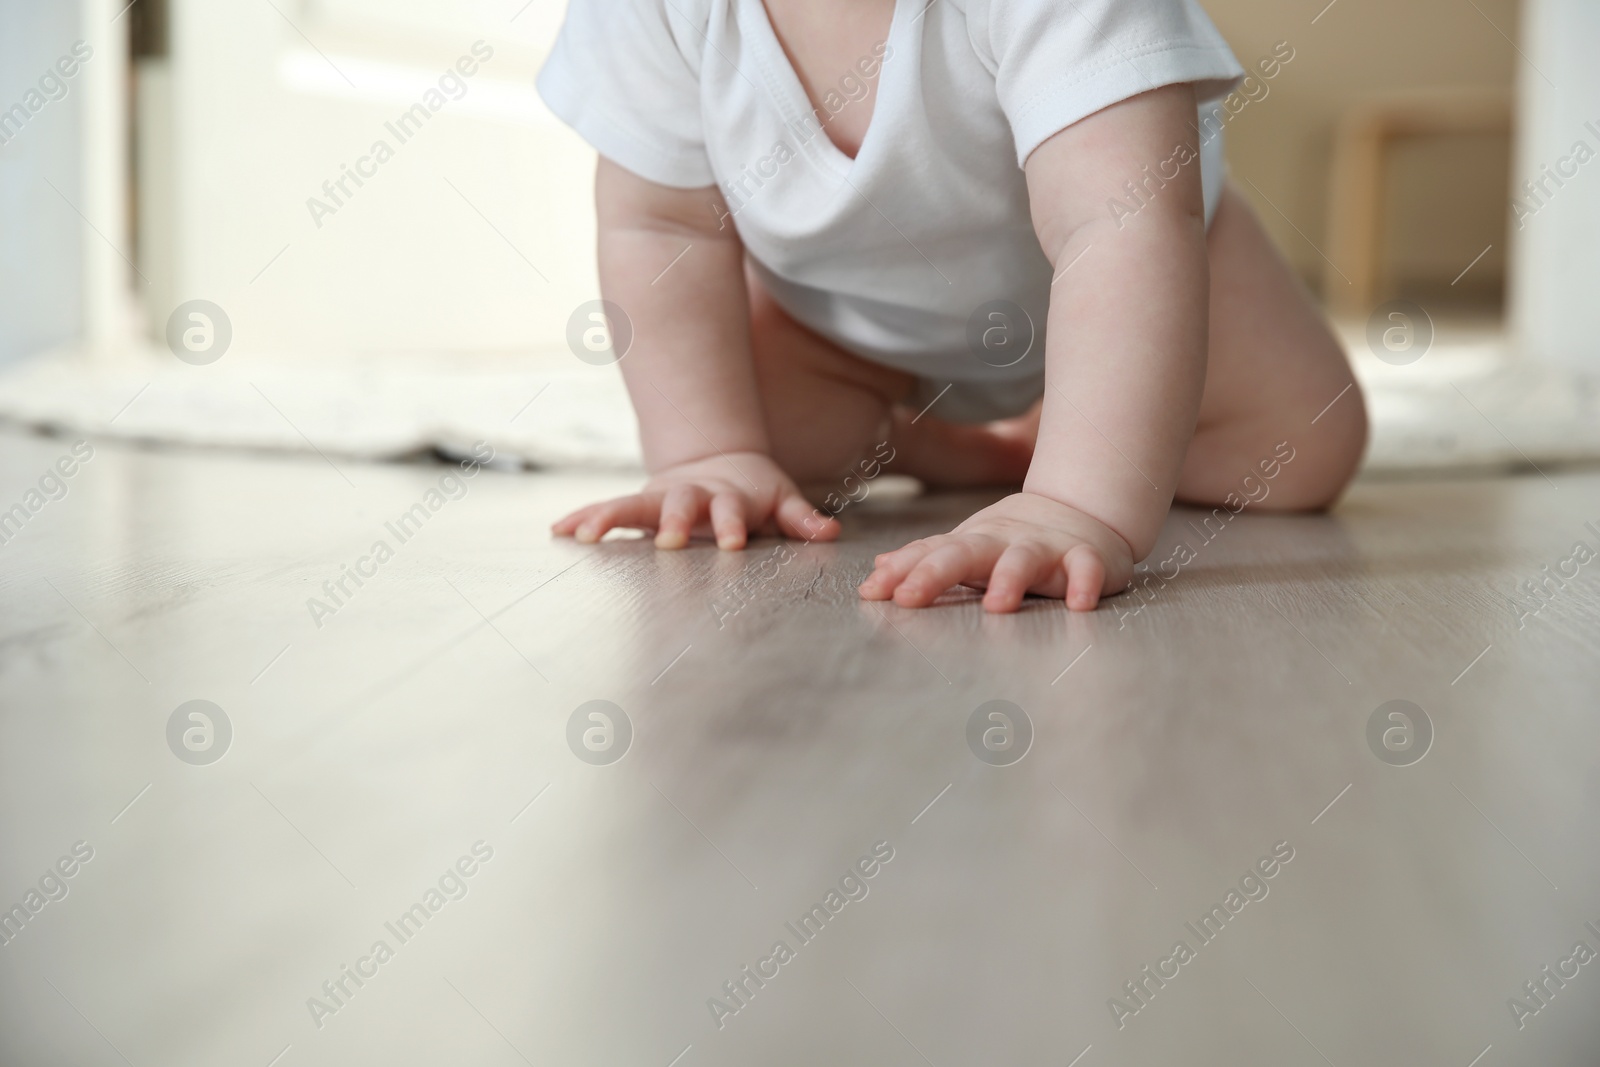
column 1125, row 364
column 689, row 372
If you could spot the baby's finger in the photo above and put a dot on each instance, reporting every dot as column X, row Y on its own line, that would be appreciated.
column 1086, row 576
column 680, row 510
column 891, row 569
column 727, row 520
column 881, row 556
column 635, row 511
column 568, row 523
column 950, row 564
column 1018, row 568
column 797, row 518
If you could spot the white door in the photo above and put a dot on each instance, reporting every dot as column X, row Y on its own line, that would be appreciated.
column 64, row 254
column 370, row 176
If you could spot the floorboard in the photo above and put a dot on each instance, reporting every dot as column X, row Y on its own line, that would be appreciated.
column 777, row 731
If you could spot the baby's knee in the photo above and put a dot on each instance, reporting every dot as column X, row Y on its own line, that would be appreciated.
column 1327, row 451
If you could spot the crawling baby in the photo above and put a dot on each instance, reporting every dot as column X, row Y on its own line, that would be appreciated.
column 992, row 239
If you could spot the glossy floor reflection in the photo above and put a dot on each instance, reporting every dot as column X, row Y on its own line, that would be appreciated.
column 1198, row 832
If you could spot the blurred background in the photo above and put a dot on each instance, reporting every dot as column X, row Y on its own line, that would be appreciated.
column 187, row 155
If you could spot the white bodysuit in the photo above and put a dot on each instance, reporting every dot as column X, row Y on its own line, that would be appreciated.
column 920, row 252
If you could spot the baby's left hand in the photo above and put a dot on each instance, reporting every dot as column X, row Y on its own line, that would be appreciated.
column 1025, row 543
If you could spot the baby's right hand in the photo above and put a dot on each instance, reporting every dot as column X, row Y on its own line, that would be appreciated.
column 729, row 495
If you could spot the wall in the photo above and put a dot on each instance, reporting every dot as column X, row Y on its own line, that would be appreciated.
column 1555, row 316
column 453, row 245
column 1448, row 197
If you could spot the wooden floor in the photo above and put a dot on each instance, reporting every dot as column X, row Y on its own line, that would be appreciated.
column 779, row 738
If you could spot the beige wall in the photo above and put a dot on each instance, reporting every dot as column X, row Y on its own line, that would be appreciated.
column 1447, row 197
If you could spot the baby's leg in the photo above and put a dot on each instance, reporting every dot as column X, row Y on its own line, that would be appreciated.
column 1273, row 373
column 826, row 409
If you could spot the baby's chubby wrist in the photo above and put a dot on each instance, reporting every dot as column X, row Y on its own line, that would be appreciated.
column 657, row 466
column 659, row 460
column 1077, row 516
column 690, row 428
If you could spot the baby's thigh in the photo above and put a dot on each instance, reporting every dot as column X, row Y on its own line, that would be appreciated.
column 825, row 408
column 1275, row 373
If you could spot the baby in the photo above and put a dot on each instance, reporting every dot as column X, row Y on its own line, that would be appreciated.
column 991, row 239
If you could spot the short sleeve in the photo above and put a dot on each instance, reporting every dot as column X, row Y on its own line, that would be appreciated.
column 624, row 74
column 1057, row 61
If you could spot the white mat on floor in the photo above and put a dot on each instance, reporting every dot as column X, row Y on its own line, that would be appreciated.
column 1462, row 406
column 543, row 412
column 1469, row 404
